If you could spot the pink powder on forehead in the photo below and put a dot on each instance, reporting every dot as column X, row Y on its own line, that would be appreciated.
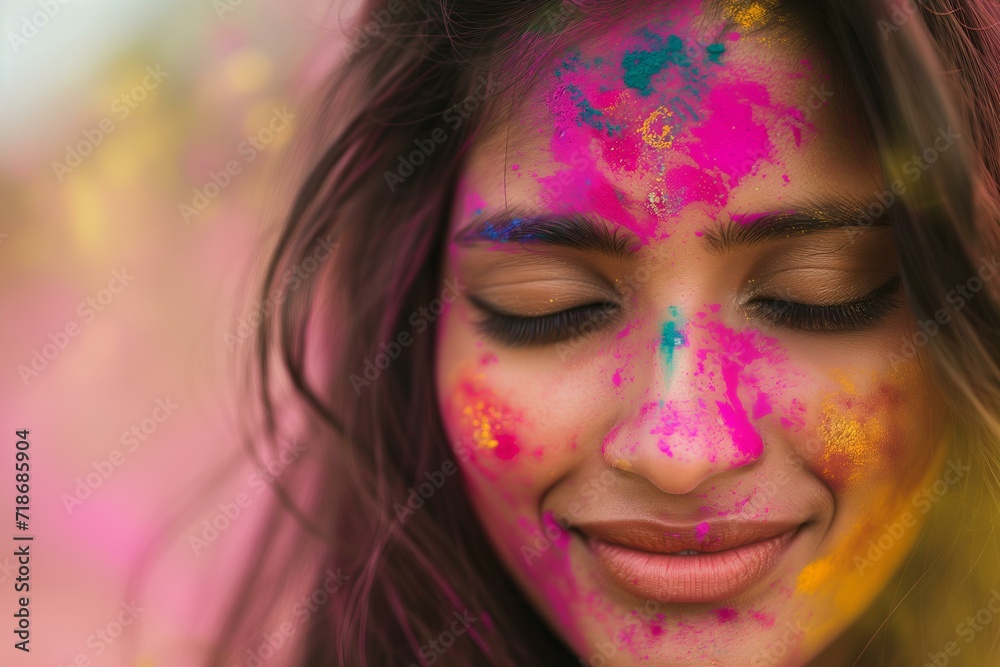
column 729, row 139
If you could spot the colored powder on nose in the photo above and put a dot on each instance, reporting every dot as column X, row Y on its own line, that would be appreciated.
column 671, row 337
column 736, row 351
column 762, row 406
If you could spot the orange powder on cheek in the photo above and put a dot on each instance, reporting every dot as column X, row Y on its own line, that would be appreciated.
column 852, row 445
column 886, row 461
column 857, row 443
column 854, row 573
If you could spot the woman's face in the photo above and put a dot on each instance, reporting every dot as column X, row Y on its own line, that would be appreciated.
column 676, row 376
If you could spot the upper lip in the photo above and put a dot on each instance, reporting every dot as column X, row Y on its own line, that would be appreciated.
column 655, row 536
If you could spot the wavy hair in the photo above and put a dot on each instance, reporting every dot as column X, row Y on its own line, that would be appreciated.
column 911, row 69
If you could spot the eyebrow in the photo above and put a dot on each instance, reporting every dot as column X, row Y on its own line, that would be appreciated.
column 578, row 232
column 740, row 231
column 743, row 231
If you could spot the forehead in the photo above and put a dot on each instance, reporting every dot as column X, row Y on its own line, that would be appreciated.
column 668, row 115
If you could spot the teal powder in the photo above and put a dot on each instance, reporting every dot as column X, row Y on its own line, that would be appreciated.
column 590, row 115
column 715, row 52
column 641, row 66
column 671, row 337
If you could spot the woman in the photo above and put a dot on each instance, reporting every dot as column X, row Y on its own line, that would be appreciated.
column 655, row 333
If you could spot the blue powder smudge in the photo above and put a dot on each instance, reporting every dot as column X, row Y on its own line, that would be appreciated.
column 715, row 52
column 671, row 337
column 641, row 66
column 589, row 114
column 571, row 64
column 501, row 232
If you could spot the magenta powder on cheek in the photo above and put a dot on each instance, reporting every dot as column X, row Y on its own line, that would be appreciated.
column 487, row 420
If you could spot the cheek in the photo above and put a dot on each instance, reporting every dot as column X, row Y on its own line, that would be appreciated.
column 877, row 438
column 873, row 430
column 512, row 428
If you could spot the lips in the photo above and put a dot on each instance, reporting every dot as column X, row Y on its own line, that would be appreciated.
column 683, row 564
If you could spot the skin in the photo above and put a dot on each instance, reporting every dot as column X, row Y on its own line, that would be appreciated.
column 686, row 404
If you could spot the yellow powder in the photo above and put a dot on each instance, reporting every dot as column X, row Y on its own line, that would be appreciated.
column 851, row 445
column 654, row 139
column 485, row 422
column 748, row 15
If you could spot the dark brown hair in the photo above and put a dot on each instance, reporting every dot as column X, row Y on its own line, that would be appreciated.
column 372, row 439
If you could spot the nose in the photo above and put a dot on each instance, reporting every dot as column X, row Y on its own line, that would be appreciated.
column 691, row 405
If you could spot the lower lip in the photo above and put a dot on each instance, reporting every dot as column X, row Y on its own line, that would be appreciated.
column 707, row 577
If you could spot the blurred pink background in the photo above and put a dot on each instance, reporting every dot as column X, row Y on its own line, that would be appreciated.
column 141, row 145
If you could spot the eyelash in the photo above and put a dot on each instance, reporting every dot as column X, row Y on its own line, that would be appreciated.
column 859, row 314
column 527, row 331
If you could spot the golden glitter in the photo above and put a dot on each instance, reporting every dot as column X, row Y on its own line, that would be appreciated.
column 748, row 15
column 622, row 464
column 659, row 204
column 852, row 445
column 662, row 139
column 485, row 422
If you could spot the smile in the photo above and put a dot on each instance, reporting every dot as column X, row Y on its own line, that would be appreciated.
column 672, row 565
